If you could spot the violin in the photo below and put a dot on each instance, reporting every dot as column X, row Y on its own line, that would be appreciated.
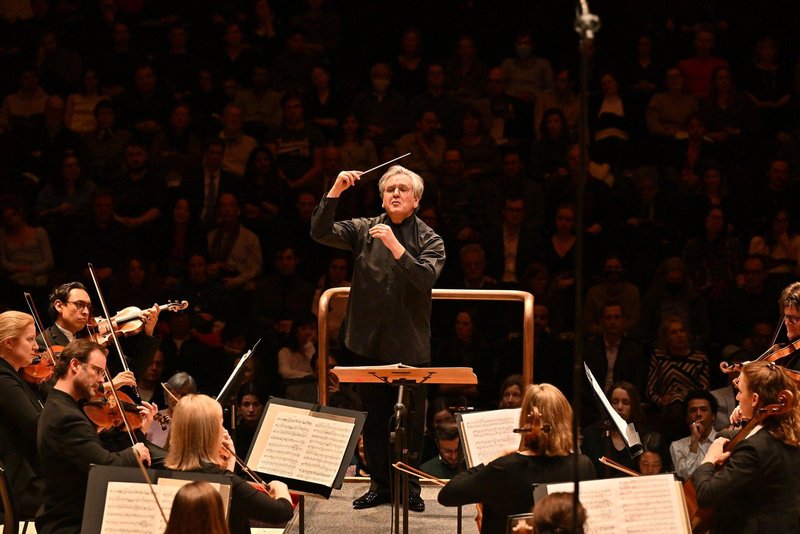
column 43, row 366
column 105, row 413
column 126, row 322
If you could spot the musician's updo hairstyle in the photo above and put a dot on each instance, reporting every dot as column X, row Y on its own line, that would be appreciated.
column 195, row 436
column 556, row 412
column 13, row 323
column 768, row 380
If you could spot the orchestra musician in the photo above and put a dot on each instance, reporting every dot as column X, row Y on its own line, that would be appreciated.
column 756, row 490
column 19, row 412
column 398, row 258
column 68, row 442
column 790, row 301
column 197, row 442
column 545, row 455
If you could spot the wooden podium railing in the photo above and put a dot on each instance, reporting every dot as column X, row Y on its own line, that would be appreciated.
column 437, row 294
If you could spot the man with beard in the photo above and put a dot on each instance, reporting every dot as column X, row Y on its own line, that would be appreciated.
column 67, row 440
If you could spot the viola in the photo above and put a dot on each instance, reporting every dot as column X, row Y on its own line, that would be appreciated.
column 126, row 322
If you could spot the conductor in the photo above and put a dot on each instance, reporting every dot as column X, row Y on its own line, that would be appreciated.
column 397, row 259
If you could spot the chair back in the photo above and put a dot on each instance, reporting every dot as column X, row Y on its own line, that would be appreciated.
column 10, row 525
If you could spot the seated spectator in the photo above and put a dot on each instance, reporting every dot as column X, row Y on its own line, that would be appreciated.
column 562, row 97
column 426, row 146
column 409, row 68
column 436, row 98
column 381, row 110
column 467, row 348
column 144, row 109
column 207, row 183
column 298, row 378
column 297, row 146
column 23, row 110
column 668, row 111
column 477, row 147
column 25, row 253
column 336, row 275
column 324, row 107
column 116, row 62
column 713, row 258
column 459, row 199
column 450, row 460
column 745, row 306
column 185, row 351
column 672, row 294
column 511, row 247
column 176, row 65
column 726, row 395
column 149, row 375
column 511, row 392
column 292, row 67
column 234, row 251
column 208, row 103
column 355, row 149
column 603, row 438
column 263, row 185
column 66, row 198
column 236, row 59
column 768, row 83
column 549, row 152
column 676, row 368
column 177, row 151
column 197, row 506
column 611, row 122
column 688, row 453
column 261, row 106
column 181, row 236
column 250, row 403
column 526, row 75
column 466, row 73
column 513, row 180
column 697, row 69
column 59, row 67
column 50, row 140
column 135, row 284
column 779, row 245
column 81, row 105
column 283, row 294
column 103, row 149
column 238, row 145
column 613, row 288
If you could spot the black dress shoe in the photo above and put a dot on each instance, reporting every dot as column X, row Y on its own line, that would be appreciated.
column 415, row 502
column 371, row 499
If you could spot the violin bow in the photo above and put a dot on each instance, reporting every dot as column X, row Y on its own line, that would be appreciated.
column 37, row 320
column 111, row 329
column 150, row 485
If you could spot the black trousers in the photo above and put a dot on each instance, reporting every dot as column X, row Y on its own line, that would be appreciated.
column 378, row 400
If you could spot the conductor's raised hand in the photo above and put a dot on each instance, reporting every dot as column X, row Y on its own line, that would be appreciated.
column 345, row 180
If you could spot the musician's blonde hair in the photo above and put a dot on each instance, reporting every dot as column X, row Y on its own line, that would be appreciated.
column 13, row 323
column 768, row 380
column 556, row 412
column 195, row 436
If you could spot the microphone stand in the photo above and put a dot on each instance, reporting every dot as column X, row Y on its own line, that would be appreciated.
column 586, row 24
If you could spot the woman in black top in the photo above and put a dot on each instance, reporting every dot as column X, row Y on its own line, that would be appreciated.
column 505, row 486
column 196, row 444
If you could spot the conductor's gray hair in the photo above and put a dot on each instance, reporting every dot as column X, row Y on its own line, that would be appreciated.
column 416, row 181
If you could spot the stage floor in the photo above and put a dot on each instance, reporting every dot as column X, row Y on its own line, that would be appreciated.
column 337, row 515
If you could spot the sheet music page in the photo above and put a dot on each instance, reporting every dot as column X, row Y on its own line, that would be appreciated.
column 632, row 505
column 306, row 447
column 131, row 509
column 489, row 435
column 223, row 490
column 625, row 429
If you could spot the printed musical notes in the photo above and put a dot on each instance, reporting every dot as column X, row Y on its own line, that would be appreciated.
column 130, row 508
column 489, row 435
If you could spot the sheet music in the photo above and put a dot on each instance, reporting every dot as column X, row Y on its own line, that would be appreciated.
column 626, row 430
column 131, row 509
column 489, row 435
column 633, row 505
column 223, row 489
column 308, row 447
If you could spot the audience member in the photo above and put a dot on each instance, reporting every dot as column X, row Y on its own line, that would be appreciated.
column 450, row 460
column 688, row 453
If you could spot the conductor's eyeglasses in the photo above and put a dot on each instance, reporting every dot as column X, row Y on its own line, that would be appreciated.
column 402, row 188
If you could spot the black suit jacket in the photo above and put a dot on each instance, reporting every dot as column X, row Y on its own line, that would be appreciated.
column 529, row 243
column 756, row 490
column 54, row 337
column 194, row 189
column 68, row 445
column 19, row 417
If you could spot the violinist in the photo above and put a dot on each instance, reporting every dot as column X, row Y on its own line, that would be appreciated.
column 71, row 307
column 179, row 384
column 19, row 412
column 790, row 301
column 67, row 441
column 756, row 489
column 196, row 444
column 504, row 486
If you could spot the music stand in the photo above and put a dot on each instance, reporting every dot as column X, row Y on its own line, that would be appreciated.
column 401, row 376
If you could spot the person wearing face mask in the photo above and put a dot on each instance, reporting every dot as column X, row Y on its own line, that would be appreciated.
column 676, row 368
column 614, row 287
column 526, row 74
